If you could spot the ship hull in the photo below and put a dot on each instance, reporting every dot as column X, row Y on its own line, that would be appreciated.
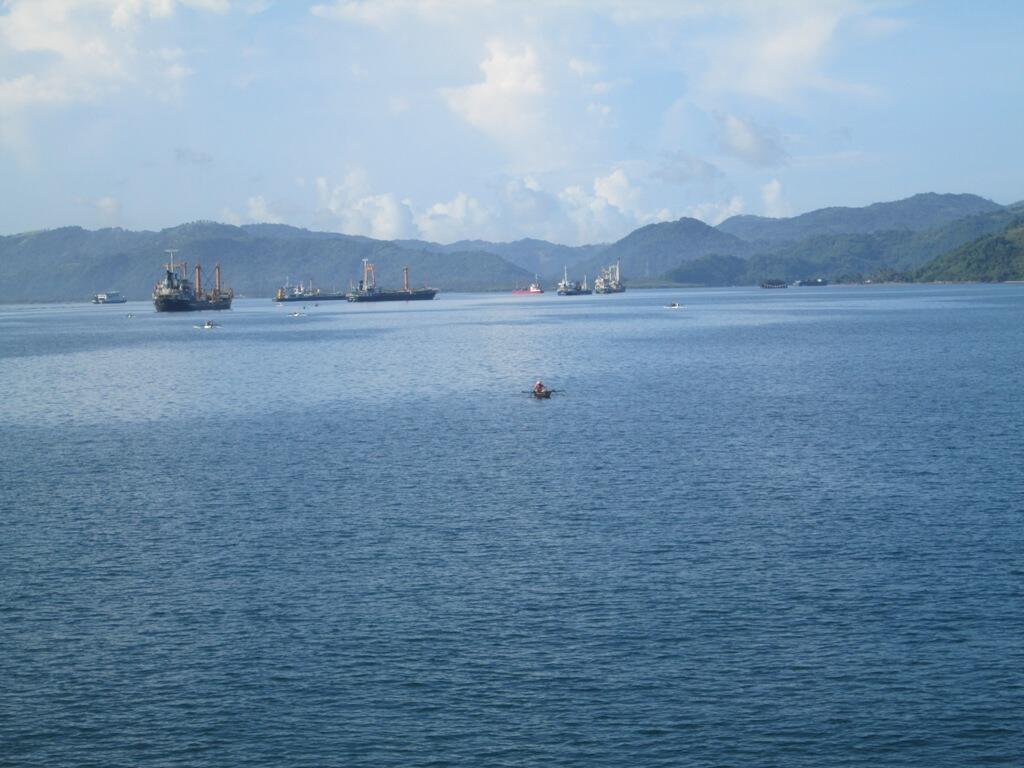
column 171, row 304
column 321, row 297
column 419, row 295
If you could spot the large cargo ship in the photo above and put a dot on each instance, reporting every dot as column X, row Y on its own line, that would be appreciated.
column 609, row 280
column 368, row 290
column 568, row 288
column 303, row 292
column 176, row 293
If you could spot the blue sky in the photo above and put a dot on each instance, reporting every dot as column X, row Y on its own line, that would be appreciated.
column 574, row 121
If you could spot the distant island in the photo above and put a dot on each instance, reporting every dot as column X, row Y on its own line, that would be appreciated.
column 927, row 237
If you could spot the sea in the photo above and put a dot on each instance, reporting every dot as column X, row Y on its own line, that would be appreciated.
column 765, row 528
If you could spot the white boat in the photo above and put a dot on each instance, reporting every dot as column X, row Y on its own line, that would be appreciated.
column 110, row 297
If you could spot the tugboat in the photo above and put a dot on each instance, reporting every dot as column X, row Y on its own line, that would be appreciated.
column 567, row 288
column 176, row 293
column 534, row 289
column 816, row 282
column 110, row 297
column 368, row 290
column 302, row 292
column 609, row 280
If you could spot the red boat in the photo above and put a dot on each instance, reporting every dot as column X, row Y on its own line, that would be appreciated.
column 532, row 290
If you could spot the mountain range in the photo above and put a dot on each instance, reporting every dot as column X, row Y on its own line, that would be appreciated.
column 927, row 237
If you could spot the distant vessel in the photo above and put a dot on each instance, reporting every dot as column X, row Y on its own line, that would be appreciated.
column 818, row 281
column 110, row 297
column 176, row 293
column 774, row 284
column 533, row 290
column 303, row 292
column 368, row 290
column 568, row 288
column 609, row 280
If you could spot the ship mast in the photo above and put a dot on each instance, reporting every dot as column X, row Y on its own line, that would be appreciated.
column 216, row 280
column 199, row 280
column 405, row 279
column 369, row 278
column 170, row 258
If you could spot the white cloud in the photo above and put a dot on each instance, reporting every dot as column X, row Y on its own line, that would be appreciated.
column 506, row 105
column 683, row 168
column 583, row 68
column 771, row 197
column 259, row 211
column 83, row 50
column 601, row 111
column 381, row 13
column 109, row 210
column 397, row 105
column 750, row 142
column 357, row 211
column 782, row 50
column 716, row 212
column 607, row 209
column 106, row 210
column 616, row 190
column 453, row 220
column 611, row 211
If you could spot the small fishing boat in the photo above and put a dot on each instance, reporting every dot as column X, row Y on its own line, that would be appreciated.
column 542, row 394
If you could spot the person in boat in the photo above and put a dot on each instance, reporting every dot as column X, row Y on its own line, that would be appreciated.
column 539, row 388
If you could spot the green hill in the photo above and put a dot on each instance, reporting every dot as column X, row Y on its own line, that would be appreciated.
column 846, row 257
column 917, row 213
column 651, row 251
column 990, row 259
column 72, row 263
column 535, row 256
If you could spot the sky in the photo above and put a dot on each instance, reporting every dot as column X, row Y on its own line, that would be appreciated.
column 572, row 121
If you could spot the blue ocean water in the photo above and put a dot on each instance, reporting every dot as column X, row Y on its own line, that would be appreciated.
column 771, row 528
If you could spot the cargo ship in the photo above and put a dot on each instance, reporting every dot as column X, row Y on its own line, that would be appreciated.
column 568, row 288
column 609, row 280
column 110, row 297
column 303, row 292
column 533, row 289
column 176, row 293
column 368, row 290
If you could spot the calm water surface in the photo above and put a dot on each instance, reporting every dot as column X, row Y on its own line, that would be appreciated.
column 772, row 528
